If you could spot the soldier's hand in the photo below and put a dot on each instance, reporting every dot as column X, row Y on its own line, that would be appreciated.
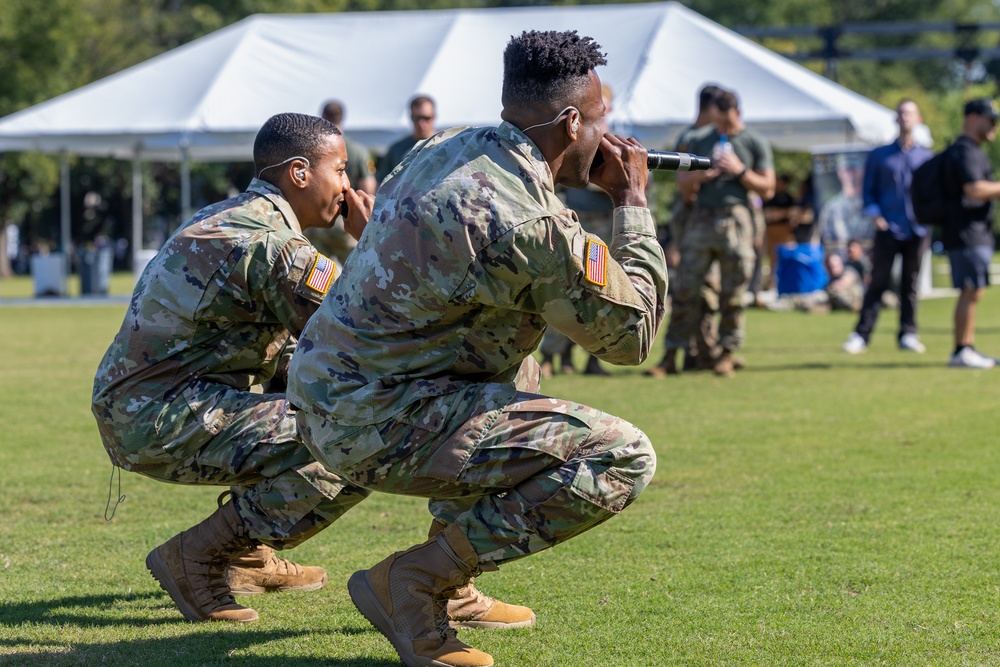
column 729, row 164
column 359, row 209
column 623, row 173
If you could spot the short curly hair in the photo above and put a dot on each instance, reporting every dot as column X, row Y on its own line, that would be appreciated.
column 539, row 67
column 288, row 135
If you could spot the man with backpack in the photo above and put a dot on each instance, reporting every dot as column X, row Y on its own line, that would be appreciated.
column 968, row 233
column 886, row 201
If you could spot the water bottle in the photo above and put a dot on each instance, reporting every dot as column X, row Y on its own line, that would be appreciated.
column 722, row 147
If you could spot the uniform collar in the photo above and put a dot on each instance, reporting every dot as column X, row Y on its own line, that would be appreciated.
column 273, row 195
column 527, row 148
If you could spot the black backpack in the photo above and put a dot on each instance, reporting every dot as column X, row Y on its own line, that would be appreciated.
column 932, row 203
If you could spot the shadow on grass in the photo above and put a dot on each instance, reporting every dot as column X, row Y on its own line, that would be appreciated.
column 83, row 611
column 108, row 611
column 195, row 650
column 817, row 366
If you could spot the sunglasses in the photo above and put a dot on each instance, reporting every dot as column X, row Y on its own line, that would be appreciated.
column 422, row 119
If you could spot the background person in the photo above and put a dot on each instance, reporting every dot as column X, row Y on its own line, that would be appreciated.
column 886, row 202
column 721, row 229
column 426, row 386
column 422, row 115
column 968, row 236
column 699, row 353
column 214, row 313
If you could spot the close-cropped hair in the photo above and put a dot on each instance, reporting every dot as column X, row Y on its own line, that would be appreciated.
column 333, row 111
column 539, row 67
column 708, row 95
column 420, row 100
column 288, row 135
column 727, row 100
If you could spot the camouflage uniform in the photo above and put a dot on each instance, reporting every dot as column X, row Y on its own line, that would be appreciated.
column 406, row 374
column 214, row 313
column 703, row 342
column 722, row 229
column 594, row 209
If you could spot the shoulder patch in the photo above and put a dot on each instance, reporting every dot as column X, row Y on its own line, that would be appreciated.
column 321, row 275
column 596, row 262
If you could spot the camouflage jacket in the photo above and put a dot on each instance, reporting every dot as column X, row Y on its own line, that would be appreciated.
column 219, row 302
column 467, row 255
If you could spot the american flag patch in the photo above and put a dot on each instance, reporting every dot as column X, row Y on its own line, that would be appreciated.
column 597, row 262
column 322, row 274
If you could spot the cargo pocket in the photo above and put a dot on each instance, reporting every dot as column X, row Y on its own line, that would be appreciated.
column 337, row 446
column 444, row 431
column 192, row 419
column 602, row 486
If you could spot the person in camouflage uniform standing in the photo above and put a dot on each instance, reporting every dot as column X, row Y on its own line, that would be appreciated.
column 415, row 375
column 721, row 228
column 215, row 312
column 699, row 353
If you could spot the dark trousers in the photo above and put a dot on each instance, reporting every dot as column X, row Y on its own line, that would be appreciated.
column 884, row 252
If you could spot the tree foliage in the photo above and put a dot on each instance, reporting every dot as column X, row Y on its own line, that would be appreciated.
column 51, row 47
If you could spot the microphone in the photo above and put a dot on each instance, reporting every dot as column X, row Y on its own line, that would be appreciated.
column 667, row 161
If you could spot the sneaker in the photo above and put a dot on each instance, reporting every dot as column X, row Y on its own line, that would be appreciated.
column 968, row 357
column 910, row 343
column 855, row 344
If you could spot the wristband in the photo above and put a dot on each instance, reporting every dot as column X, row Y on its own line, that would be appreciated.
column 739, row 177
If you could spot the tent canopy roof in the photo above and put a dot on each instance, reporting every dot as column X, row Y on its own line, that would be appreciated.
column 209, row 97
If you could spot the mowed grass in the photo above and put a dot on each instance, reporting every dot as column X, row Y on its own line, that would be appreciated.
column 817, row 509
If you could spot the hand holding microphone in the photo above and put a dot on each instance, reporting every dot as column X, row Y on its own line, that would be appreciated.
column 667, row 161
column 618, row 168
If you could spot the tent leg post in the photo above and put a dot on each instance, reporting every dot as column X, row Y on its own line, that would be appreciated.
column 185, row 184
column 136, row 214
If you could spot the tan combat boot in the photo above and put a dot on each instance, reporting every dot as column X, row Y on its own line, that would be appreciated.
column 469, row 608
column 667, row 365
column 191, row 567
column 724, row 366
column 405, row 597
column 259, row 570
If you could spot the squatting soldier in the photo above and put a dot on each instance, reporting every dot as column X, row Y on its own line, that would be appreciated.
column 214, row 313
column 407, row 376
column 217, row 311
column 721, row 228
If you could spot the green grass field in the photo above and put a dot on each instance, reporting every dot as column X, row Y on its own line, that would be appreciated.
column 818, row 509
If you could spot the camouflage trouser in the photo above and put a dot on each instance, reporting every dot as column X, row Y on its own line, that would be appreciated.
column 848, row 297
column 517, row 471
column 249, row 442
column 723, row 235
column 704, row 340
column 556, row 343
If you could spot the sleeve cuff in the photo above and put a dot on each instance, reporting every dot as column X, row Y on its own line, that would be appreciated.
column 633, row 220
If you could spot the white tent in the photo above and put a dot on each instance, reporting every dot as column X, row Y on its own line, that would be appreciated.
column 205, row 100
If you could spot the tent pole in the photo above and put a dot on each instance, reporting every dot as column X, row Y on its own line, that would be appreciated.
column 65, row 235
column 136, row 212
column 185, row 184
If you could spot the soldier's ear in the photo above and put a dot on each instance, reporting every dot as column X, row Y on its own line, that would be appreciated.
column 573, row 123
column 299, row 172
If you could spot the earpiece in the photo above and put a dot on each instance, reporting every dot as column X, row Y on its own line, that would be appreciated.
column 576, row 126
column 300, row 173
